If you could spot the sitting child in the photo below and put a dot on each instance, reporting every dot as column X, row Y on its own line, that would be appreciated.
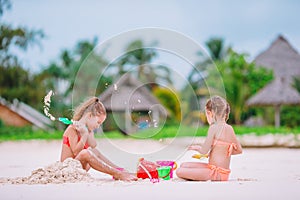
column 220, row 143
column 79, row 142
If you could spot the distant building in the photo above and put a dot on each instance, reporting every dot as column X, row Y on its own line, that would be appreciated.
column 130, row 104
column 284, row 60
column 20, row 114
column 281, row 57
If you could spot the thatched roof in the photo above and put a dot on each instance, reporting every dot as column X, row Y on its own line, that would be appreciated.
column 278, row 92
column 281, row 57
column 129, row 93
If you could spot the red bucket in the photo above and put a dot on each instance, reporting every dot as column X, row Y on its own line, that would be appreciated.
column 147, row 169
column 144, row 175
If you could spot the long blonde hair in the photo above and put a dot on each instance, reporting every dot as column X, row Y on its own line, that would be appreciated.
column 92, row 105
column 219, row 106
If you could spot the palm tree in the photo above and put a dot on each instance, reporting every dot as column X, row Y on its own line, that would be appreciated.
column 216, row 48
column 137, row 55
column 217, row 52
column 241, row 79
column 62, row 74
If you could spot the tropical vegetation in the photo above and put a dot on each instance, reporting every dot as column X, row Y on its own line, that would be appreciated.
column 240, row 78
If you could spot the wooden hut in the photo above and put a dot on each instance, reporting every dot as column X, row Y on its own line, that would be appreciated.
column 127, row 96
column 20, row 114
column 284, row 60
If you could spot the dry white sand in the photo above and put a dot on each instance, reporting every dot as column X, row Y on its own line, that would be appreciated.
column 262, row 173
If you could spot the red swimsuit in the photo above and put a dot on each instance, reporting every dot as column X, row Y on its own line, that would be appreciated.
column 67, row 142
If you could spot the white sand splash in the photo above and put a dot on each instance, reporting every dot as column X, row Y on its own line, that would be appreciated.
column 47, row 101
column 115, row 87
column 69, row 171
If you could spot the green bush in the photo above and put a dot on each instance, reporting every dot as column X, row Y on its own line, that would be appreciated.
column 290, row 116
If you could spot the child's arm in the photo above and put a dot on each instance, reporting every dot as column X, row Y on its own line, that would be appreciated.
column 239, row 149
column 103, row 158
column 205, row 148
column 91, row 140
column 75, row 145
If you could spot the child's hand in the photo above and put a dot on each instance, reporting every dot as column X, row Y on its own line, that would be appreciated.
column 81, row 128
column 195, row 148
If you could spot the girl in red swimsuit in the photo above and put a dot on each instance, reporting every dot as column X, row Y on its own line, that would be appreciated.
column 220, row 144
column 79, row 141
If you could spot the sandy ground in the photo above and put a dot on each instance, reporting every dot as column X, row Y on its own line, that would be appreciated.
column 259, row 173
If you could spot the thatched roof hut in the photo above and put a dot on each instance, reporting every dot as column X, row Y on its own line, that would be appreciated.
column 277, row 93
column 128, row 95
column 285, row 62
column 281, row 57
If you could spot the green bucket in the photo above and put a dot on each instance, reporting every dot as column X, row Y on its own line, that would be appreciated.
column 164, row 172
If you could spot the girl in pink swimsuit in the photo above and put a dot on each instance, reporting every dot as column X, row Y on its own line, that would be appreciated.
column 220, row 144
column 79, row 142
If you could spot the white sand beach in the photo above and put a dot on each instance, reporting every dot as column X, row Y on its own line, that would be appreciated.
column 259, row 173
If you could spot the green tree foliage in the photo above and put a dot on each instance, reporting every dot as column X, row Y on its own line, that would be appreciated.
column 170, row 100
column 15, row 82
column 79, row 65
column 216, row 48
column 290, row 114
column 11, row 37
column 217, row 51
column 241, row 80
column 137, row 58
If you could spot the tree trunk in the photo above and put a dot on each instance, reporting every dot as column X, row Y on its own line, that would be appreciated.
column 237, row 116
column 277, row 116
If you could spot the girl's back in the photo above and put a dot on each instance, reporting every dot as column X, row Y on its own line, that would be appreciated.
column 224, row 145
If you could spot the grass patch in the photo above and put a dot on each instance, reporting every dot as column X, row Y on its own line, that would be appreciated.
column 242, row 130
column 185, row 131
column 28, row 133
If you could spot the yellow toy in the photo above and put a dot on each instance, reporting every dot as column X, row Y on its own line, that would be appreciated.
column 199, row 156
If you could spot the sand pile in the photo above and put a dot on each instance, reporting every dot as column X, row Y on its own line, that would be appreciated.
column 69, row 171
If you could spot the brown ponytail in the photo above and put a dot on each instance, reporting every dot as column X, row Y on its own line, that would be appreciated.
column 92, row 105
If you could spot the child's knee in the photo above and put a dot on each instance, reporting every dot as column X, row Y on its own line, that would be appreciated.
column 184, row 164
column 179, row 172
column 83, row 155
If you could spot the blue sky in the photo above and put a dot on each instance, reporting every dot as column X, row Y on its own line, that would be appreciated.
column 248, row 26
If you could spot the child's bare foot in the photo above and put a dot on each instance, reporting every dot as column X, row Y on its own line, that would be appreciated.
column 125, row 176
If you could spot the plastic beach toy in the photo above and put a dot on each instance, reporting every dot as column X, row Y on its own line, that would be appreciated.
column 147, row 169
column 164, row 172
column 171, row 164
column 199, row 156
column 65, row 120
